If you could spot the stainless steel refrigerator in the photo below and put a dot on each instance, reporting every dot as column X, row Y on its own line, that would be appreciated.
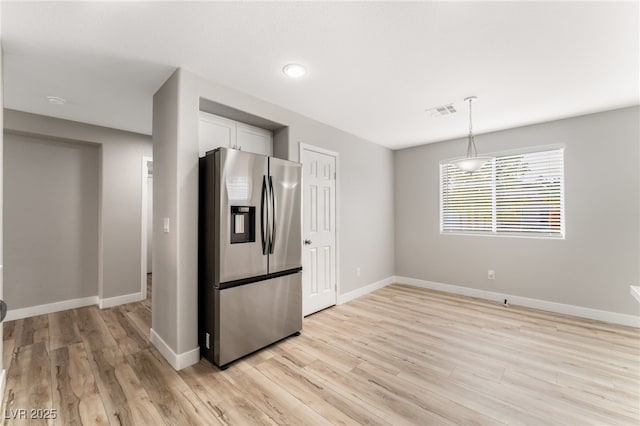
column 250, row 248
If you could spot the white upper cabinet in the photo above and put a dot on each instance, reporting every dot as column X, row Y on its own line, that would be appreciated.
column 254, row 139
column 215, row 131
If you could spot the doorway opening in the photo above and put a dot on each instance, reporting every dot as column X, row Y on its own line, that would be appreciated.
column 146, row 236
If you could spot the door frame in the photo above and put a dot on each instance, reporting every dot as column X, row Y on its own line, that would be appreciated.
column 308, row 147
column 143, row 231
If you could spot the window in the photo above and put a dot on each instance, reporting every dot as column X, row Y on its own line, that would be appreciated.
column 518, row 194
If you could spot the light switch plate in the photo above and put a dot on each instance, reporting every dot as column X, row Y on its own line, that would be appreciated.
column 165, row 225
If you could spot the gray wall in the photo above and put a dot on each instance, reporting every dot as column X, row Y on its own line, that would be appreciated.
column 600, row 257
column 51, row 241
column 120, row 207
column 366, row 185
column 1, row 191
column 366, row 202
column 165, row 303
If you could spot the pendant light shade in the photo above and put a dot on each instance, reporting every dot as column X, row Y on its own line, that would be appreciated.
column 472, row 161
column 470, row 164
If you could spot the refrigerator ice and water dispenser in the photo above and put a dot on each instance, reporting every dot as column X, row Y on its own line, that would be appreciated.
column 243, row 228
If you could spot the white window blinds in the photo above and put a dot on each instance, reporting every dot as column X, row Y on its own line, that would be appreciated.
column 517, row 194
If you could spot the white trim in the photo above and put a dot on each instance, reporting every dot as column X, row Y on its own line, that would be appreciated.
column 3, row 384
column 504, row 234
column 305, row 146
column 317, row 149
column 143, row 231
column 561, row 308
column 32, row 311
column 635, row 291
column 354, row 294
column 177, row 361
column 120, row 300
column 100, row 223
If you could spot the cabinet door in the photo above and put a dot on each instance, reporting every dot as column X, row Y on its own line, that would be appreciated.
column 215, row 132
column 254, row 139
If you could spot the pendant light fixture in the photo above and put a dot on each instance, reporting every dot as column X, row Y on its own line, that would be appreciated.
column 471, row 162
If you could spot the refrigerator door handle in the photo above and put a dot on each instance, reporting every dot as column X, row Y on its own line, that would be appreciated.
column 272, row 239
column 264, row 211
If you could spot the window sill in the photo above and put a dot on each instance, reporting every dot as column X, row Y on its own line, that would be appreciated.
column 502, row 235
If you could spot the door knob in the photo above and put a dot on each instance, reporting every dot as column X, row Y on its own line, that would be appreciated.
column 307, row 242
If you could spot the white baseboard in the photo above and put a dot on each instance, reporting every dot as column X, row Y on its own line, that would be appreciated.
column 578, row 311
column 32, row 311
column 344, row 298
column 120, row 300
column 177, row 361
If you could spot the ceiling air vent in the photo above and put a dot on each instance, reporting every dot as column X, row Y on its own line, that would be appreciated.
column 439, row 111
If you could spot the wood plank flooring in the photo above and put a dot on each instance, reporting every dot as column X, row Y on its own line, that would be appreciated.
column 398, row 356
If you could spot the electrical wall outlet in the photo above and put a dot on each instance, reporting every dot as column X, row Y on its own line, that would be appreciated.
column 357, row 272
column 491, row 274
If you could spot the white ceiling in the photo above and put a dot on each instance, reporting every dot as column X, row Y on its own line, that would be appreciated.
column 374, row 68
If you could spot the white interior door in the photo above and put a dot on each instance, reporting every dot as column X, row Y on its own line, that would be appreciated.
column 319, row 276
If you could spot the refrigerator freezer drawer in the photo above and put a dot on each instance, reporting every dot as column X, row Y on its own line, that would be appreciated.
column 255, row 315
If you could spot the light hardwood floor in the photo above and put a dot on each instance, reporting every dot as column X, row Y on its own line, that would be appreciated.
column 400, row 355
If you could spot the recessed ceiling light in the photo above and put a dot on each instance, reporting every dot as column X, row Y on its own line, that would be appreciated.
column 294, row 70
column 56, row 100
